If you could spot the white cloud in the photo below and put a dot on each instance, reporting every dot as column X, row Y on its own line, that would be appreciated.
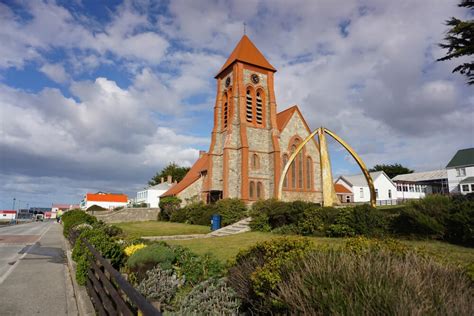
column 55, row 72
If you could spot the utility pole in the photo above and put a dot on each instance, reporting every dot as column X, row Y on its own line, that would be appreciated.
column 14, row 199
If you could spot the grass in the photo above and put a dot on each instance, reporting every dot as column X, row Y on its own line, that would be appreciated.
column 226, row 248
column 156, row 228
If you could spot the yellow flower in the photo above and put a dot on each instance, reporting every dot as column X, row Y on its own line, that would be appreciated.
column 130, row 250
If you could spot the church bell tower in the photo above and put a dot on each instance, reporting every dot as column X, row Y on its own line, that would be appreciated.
column 244, row 153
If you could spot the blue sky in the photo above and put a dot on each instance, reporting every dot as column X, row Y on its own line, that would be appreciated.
column 99, row 95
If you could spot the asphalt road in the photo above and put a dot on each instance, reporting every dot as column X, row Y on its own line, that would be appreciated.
column 34, row 277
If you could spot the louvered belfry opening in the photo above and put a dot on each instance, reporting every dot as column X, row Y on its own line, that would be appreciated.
column 259, row 108
column 249, row 112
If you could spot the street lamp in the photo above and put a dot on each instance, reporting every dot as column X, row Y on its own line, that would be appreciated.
column 14, row 199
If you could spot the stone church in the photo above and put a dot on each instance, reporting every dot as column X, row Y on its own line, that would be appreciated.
column 251, row 142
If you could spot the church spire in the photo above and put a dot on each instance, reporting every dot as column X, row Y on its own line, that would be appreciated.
column 247, row 52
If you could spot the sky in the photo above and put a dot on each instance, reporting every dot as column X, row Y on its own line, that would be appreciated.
column 100, row 95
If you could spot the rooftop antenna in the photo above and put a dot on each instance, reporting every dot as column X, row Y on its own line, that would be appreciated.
column 245, row 28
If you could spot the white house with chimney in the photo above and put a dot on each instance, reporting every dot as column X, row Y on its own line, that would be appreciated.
column 385, row 189
column 151, row 195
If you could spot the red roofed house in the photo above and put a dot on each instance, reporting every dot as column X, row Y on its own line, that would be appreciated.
column 343, row 194
column 250, row 141
column 7, row 215
column 105, row 200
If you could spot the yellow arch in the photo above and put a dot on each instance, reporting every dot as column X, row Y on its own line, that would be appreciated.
column 359, row 161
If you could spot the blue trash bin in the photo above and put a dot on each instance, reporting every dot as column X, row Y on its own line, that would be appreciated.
column 216, row 222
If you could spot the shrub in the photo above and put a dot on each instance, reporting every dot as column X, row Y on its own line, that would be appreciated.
column 199, row 213
column 211, row 297
column 195, row 268
column 130, row 250
column 459, row 225
column 179, row 216
column 160, row 286
column 168, row 205
column 231, row 210
column 95, row 208
column 375, row 283
column 103, row 243
column 415, row 223
column 146, row 258
column 257, row 270
column 75, row 217
column 369, row 221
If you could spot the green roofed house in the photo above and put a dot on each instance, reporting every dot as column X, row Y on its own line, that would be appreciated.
column 461, row 172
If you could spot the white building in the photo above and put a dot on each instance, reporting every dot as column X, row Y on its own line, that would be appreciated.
column 417, row 185
column 7, row 215
column 461, row 172
column 385, row 189
column 104, row 200
column 151, row 195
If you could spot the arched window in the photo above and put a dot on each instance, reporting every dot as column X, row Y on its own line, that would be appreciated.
column 255, row 161
column 285, row 180
column 249, row 108
column 300, row 170
column 309, row 173
column 251, row 189
column 293, row 169
column 259, row 107
column 259, row 190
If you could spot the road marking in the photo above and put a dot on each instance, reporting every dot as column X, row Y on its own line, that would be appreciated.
column 12, row 268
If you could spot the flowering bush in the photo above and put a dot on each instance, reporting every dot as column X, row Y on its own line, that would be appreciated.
column 130, row 250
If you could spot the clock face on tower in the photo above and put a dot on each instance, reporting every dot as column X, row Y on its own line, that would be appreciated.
column 255, row 79
column 227, row 82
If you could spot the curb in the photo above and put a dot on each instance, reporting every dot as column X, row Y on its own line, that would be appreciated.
column 83, row 301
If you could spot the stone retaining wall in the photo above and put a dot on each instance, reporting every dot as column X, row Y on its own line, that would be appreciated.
column 128, row 215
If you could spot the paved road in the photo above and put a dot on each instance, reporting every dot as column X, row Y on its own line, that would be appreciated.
column 34, row 277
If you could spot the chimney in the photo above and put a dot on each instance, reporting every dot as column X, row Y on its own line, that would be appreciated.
column 202, row 153
column 162, row 179
column 169, row 179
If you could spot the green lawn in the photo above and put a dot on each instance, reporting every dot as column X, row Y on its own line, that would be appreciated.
column 226, row 248
column 156, row 228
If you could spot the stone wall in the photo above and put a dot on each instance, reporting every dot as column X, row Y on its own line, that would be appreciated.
column 128, row 215
column 296, row 127
column 192, row 193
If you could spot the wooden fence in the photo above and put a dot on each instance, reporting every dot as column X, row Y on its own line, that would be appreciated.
column 111, row 294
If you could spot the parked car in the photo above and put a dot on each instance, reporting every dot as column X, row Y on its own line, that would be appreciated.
column 39, row 217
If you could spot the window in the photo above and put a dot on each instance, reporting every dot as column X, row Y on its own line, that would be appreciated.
column 309, row 173
column 376, row 193
column 249, row 108
column 461, row 172
column 293, row 170
column 259, row 108
column 465, row 187
column 348, row 199
column 251, row 189
column 399, row 187
column 417, row 188
column 405, row 188
column 259, row 190
column 412, row 188
column 300, row 170
column 472, row 187
column 255, row 161
column 285, row 161
column 361, row 193
column 389, row 193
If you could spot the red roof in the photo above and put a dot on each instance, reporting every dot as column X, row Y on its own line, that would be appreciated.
column 107, row 197
column 193, row 174
column 7, row 212
column 341, row 189
column 247, row 52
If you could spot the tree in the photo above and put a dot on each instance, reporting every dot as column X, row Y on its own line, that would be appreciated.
column 391, row 170
column 173, row 170
column 459, row 41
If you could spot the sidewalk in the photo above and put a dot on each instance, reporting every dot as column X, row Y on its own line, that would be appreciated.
column 40, row 283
